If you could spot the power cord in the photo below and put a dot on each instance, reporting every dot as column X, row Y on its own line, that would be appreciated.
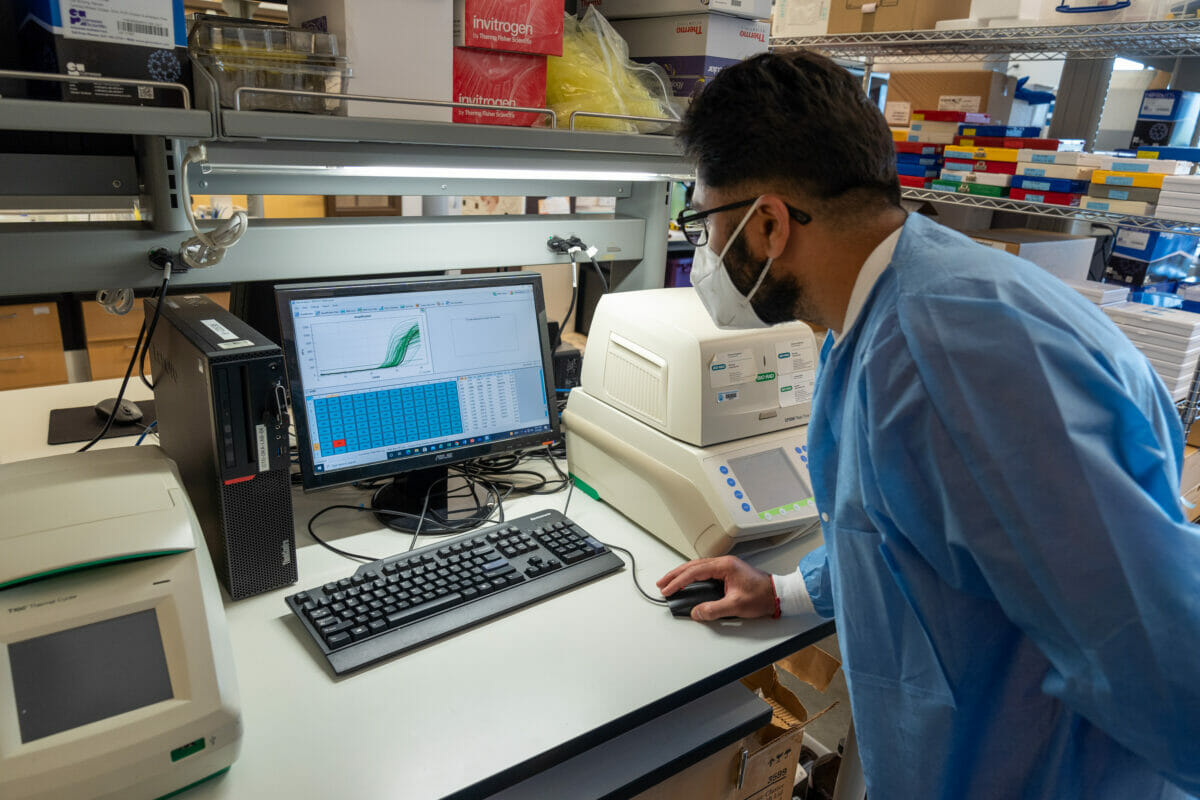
column 143, row 341
column 207, row 248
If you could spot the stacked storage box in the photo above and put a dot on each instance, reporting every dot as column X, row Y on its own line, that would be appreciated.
column 1059, row 177
column 940, row 127
column 692, row 40
column 917, row 163
column 986, row 171
column 1102, row 294
column 1180, row 198
column 1168, row 337
column 469, row 51
column 1132, row 185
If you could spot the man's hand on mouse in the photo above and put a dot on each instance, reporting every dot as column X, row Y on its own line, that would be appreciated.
column 749, row 592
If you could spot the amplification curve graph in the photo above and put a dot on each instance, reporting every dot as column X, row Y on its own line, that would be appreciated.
column 371, row 345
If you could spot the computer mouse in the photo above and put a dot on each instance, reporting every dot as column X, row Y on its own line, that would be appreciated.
column 127, row 413
column 683, row 601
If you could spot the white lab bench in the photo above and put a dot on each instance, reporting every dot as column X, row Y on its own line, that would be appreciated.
column 596, row 689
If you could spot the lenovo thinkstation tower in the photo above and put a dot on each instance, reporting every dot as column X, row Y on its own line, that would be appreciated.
column 221, row 396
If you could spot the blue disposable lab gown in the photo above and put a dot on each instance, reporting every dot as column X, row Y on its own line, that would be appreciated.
column 1016, row 589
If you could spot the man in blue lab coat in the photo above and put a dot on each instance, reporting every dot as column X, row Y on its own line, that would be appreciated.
column 1016, row 589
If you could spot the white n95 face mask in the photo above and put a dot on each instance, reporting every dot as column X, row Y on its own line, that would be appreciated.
column 728, row 307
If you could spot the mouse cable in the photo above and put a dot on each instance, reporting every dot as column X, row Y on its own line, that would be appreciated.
column 660, row 601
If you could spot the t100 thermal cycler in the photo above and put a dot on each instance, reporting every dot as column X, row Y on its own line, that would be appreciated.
column 116, row 671
column 695, row 433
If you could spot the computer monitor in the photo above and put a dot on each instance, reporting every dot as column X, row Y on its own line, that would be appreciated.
column 403, row 377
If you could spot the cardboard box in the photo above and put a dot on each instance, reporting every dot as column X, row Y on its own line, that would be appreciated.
column 800, row 18
column 861, row 16
column 396, row 50
column 498, row 79
column 512, row 26
column 983, row 91
column 134, row 39
column 763, row 765
column 1068, row 257
column 632, row 9
column 695, row 47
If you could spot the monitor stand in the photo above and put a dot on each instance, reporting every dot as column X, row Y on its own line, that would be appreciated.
column 407, row 493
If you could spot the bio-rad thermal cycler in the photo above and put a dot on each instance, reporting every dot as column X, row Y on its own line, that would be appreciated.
column 116, row 672
column 695, row 433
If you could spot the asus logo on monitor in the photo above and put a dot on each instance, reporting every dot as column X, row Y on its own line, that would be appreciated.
column 443, row 456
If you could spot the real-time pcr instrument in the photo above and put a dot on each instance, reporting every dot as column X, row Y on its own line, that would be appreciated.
column 116, row 672
column 695, row 433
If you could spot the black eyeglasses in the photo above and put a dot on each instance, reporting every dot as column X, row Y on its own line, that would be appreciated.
column 694, row 224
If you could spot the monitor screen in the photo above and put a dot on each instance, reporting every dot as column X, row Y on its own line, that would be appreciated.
column 392, row 376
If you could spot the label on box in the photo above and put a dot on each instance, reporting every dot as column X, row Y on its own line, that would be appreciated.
column 502, row 80
column 897, row 113
column 515, row 26
column 1157, row 107
column 959, row 102
column 796, row 372
column 1133, row 239
column 149, row 23
column 731, row 369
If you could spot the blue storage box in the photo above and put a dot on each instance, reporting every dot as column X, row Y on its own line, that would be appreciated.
column 1036, row 184
column 132, row 39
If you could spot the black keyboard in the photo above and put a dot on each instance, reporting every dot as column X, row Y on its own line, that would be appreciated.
column 404, row 601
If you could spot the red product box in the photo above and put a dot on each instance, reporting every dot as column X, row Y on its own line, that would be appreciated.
column 498, row 79
column 979, row 141
column 913, row 182
column 933, row 115
column 1053, row 198
column 921, row 148
column 513, row 26
column 1030, row 144
column 997, row 167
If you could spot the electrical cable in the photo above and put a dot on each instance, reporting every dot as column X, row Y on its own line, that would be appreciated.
column 599, row 272
column 661, row 601
column 562, row 327
column 206, row 248
column 146, row 432
column 142, row 341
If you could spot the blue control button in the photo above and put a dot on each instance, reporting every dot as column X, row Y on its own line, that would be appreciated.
column 745, row 506
column 724, row 470
column 738, row 494
column 798, row 450
column 804, row 459
column 731, row 481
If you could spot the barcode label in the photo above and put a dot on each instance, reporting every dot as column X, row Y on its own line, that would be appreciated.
column 125, row 26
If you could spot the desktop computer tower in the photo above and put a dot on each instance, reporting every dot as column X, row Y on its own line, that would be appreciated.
column 221, row 395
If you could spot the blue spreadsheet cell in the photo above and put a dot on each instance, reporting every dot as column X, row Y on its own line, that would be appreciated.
column 348, row 423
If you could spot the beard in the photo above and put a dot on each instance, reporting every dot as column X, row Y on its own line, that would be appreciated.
column 780, row 298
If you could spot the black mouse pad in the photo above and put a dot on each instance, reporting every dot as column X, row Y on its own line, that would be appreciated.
column 82, row 424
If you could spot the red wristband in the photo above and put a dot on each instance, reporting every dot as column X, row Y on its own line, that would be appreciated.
column 778, row 612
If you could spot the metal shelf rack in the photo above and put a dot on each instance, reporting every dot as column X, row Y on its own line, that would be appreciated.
column 1048, row 210
column 1164, row 38
column 260, row 152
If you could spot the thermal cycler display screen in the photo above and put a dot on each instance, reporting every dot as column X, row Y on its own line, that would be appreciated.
column 86, row 674
column 769, row 479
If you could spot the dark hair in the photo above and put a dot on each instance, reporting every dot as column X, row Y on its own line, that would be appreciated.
column 794, row 120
